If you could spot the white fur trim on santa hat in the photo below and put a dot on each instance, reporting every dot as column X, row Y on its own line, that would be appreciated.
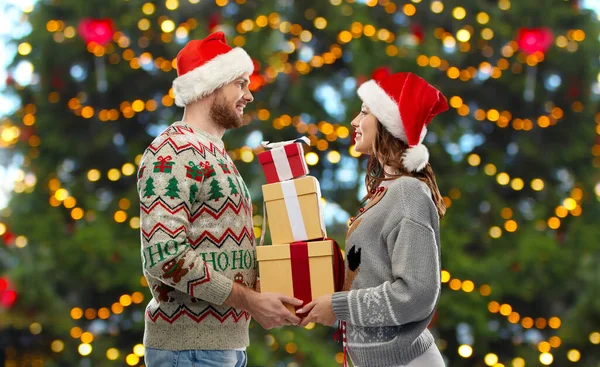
column 382, row 106
column 415, row 158
column 209, row 77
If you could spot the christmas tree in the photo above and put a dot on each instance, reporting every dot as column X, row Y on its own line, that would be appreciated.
column 193, row 192
column 172, row 189
column 232, row 187
column 149, row 188
column 516, row 158
column 215, row 190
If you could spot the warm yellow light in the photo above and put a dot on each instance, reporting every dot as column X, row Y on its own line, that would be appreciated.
column 554, row 223
column 148, row 8
column 465, row 351
column 114, row 174
column 445, row 276
column 544, row 347
column 167, row 26
column 21, row 241
column 510, row 226
column 546, row 359
column 437, row 7
column 139, row 350
column 463, row 35
column 134, row 222
column 87, row 337
column 570, row 203
column 247, row 155
column 537, row 184
column 137, row 297
column 503, row 178
column 77, row 213
column 2, row 228
column 120, row 216
column 128, row 169
column 487, row 34
column 57, row 346
column 24, row 49
column 409, row 9
column 320, row 23
column 456, row 101
column 312, row 159
column 172, row 4
column 334, row 156
column 455, row 284
column 61, row 194
column 459, row 13
column 112, row 354
column 132, row 359
column 517, row 184
column 595, row 337
column 574, row 355
column 483, row 18
column 35, row 328
column 468, row 286
column 485, row 290
column 474, row 160
column 93, row 175
column 495, row 232
column 144, row 24
column 490, row 359
column 518, row 362
column 84, row 349
column 125, row 300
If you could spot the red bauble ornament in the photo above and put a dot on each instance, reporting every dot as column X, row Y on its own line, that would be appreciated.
column 214, row 21
column 381, row 73
column 8, row 298
column 532, row 40
column 100, row 31
column 417, row 31
column 3, row 284
column 8, row 238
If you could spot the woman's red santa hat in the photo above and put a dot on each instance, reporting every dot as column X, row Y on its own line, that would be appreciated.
column 204, row 66
column 405, row 103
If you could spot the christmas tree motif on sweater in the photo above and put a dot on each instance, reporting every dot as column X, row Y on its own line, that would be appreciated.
column 215, row 190
column 149, row 189
column 193, row 192
column 163, row 164
column 224, row 166
column 172, row 188
column 232, row 187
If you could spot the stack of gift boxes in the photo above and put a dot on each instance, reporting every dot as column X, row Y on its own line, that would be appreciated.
column 301, row 262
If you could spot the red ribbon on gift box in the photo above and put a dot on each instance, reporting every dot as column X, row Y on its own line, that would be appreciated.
column 300, row 272
column 295, row 160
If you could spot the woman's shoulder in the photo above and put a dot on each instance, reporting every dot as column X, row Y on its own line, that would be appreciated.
column 410, row 188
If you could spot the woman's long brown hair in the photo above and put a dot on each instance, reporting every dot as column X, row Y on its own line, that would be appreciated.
column 388, row 151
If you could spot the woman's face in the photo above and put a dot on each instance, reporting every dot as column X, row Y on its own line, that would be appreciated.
column 365, row 127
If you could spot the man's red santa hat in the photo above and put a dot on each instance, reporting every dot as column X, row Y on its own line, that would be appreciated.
column 204, row 66
column 404, row 103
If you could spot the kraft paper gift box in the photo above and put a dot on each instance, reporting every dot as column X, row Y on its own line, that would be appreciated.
column 304, row 270
column 284, row 161
column 293, row 210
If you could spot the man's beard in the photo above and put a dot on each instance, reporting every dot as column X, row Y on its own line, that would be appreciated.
column 224, row 115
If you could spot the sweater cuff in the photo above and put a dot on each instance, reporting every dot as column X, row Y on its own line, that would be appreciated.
column 339, row 302
column 218, row 289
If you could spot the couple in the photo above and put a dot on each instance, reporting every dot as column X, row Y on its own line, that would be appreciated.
column 197, row 229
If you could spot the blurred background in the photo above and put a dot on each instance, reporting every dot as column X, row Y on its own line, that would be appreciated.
column 86, row 87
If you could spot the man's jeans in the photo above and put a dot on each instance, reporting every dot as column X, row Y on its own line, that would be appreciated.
column 195, row 358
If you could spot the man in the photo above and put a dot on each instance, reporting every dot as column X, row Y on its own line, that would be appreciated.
column 196, row 221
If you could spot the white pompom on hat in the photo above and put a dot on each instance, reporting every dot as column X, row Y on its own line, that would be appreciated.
column 405, row 103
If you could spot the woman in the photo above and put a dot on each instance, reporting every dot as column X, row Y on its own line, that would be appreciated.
column 392, row 282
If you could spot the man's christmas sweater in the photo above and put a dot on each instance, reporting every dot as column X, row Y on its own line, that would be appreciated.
column 197, row 239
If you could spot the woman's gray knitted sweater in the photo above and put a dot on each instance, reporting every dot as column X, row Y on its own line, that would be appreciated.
column 393, row 276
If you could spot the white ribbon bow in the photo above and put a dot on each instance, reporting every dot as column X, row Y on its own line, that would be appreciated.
column 270, row 145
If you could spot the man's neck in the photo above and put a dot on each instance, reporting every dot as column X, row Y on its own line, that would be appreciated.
column 197, row 115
